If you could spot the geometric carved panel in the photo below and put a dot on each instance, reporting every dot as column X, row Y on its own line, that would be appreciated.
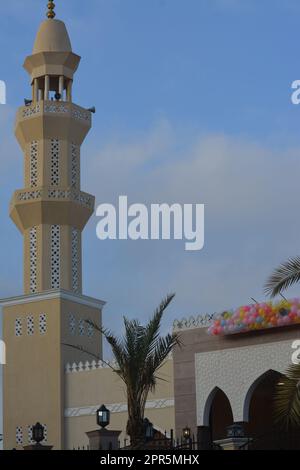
column 75, row 245
column 74, row 166
column 72, row 324
column 55, row 162
column 18, row 327
column 33, row 259
column 55, row 257
column 43, row 324
column 33, row 164
column 81, row 327
column 30, row 325
column 19, row 435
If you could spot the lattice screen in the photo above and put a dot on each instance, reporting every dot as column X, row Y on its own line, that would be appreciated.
column 33, row 259
column 34, row 164
column 55, row 256
column 55, row 162
column 75, row 260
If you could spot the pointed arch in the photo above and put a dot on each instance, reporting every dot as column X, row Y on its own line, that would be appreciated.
column 209, row 403
column 268, row 374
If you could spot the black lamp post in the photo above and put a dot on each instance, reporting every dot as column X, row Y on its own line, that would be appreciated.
column 38, row 433
column 186, row 432
column 103, row 417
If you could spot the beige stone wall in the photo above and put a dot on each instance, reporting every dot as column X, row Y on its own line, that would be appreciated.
column 89, row 389
column 34, row 375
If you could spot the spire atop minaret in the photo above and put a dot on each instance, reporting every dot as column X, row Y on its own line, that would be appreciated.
column 51, row 12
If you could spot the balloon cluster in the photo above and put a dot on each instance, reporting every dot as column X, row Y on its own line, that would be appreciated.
column 256, row 317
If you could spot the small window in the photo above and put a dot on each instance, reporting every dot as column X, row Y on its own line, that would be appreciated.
column 72, row 324
column 43, row 324
column 81, row 328
column 19, row 435
column 30, row 325
column 29, row 430
column 90, row 331
column 18, row 327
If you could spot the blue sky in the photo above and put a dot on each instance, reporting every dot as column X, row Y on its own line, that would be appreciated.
column 193, row 106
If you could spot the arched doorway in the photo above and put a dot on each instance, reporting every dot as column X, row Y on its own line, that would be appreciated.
column 220, row 414
column 259, row 411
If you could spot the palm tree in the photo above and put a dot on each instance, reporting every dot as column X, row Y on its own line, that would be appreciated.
column 287, row 398
column 139, row 355
column 286, row 275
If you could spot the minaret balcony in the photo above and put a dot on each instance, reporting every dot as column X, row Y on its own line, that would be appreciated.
column 53, row 206
column 46, row 119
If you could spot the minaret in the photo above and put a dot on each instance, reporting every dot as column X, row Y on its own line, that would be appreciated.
column 51, row 213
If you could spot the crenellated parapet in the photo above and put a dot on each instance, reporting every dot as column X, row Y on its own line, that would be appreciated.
column 200, row 321
column 88, row 366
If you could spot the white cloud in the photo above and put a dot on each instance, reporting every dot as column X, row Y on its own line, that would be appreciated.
column 251, row 197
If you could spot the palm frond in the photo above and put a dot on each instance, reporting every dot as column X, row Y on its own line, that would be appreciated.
column 283, row 277
column 162, row 350
column 287, row 398
column 152, row 329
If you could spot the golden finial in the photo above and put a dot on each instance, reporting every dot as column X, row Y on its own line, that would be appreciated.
column 51, row 12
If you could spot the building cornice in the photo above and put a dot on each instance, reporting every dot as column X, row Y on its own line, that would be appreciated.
column 53, row 294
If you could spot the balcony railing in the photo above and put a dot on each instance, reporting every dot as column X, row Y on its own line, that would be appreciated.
column 47, row 194
column 57, row 108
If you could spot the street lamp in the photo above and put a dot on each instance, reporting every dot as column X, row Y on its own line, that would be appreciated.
column 186, row 432
column 103, row 417
column 38, row 433
column 236, row 430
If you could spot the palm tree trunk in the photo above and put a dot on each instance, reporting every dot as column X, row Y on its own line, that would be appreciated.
column 135, row 428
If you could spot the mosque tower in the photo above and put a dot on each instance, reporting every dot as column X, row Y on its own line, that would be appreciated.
column 51, row 213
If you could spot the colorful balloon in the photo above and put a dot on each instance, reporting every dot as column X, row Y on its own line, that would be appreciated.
column 256, row 317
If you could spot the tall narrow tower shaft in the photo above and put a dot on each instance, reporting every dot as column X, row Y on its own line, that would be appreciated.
column 51, row 212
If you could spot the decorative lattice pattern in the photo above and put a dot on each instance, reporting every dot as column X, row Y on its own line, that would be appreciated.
column 55, row 256
column 43, row 323
column 30, row 325
column 74, row 166
column 56, row 108
column 201, row 321
column 77, row 196
column 29, row 434
column 52, row 108
column 75, row 259
column 29, row 111
column 18, row 327
column 54, row 162
column 19, row 435
column 72, row 324
column 29, row 195
column 33, row 259
column 90, row 330
column 34, row 164
column 81, row 115
column 45, row 433
column 81, row 328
